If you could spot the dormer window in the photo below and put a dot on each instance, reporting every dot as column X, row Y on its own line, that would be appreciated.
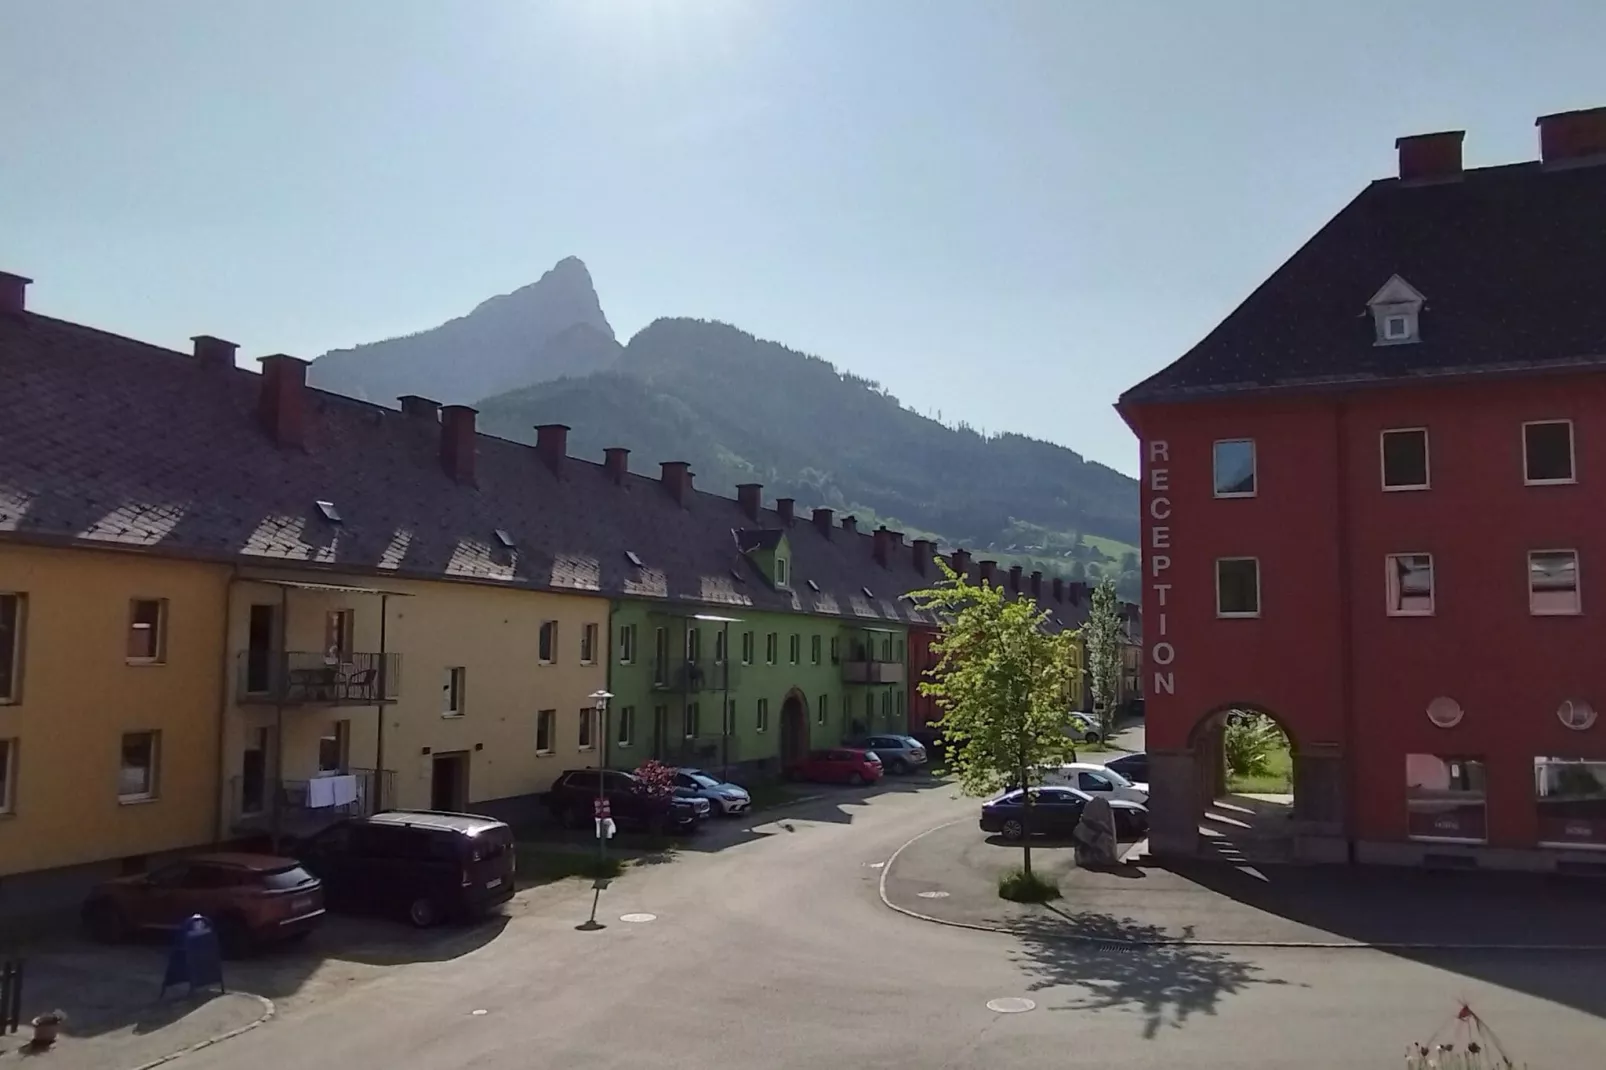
column 1396, row 313
column 780, row 571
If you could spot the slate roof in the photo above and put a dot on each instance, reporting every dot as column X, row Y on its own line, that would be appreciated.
column 112, row 443
column 1510, row 260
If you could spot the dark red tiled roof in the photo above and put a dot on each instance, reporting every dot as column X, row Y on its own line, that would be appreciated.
column 1510, row 261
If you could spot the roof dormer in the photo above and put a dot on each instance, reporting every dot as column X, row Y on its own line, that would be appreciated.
column 1397, row 313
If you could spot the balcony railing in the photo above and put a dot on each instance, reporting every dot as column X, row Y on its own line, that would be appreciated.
column 861, row 670
column 315, row 678
column 690, row 677
column 301, row 807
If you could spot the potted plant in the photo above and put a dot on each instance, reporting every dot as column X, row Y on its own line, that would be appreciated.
column 46, row 1027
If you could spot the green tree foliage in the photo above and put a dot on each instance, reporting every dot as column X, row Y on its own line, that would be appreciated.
column 1248, row 743
column 1000, row 682
column 1104, row 635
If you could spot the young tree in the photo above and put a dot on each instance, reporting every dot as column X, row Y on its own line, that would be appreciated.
column 1000, row 681
column 1104, row 635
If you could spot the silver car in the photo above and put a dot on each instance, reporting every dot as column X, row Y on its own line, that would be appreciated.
column 900, row 754
column 723, row 796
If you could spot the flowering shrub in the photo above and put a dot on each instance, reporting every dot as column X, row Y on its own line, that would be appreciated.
column 657, row 779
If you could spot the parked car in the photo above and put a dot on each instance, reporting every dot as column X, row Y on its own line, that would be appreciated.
column 725, row 797
column 1083, row 726
column 1097, row 780
column 1056, row 812
column 838, row 765
column 898, row 754
column 574, row 794
column 422, row 865
column 1135, row 767
column 251, row 900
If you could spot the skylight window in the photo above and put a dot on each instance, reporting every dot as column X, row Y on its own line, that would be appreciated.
column 813, row 586
column 505, row 539
column 330, row 513
column 738, row 577
column 634, row 560
column 867, row 592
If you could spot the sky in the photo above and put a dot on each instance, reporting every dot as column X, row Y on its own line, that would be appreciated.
column 1005, row 211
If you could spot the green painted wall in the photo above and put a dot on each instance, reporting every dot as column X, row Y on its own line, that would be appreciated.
column 663, row 709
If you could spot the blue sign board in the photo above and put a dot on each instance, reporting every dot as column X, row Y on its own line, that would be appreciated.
column 195, row 958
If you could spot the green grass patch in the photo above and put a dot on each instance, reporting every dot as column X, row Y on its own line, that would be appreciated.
column 544, row 863
column 1018, row 886
column 1277, row 780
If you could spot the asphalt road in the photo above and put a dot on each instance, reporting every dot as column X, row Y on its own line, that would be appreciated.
column 775, row 951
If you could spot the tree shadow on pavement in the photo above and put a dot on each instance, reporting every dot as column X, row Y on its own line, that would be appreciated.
column 1090, row 957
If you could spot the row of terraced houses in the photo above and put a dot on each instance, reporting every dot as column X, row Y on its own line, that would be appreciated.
column 231, row 605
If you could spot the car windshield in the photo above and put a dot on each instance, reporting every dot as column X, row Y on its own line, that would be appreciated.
column 1119, row 780
column 289, row 877
column 702, row 780
column 872, row 756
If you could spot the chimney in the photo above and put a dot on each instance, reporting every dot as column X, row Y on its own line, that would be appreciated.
column 616, row 463
column 988, row 571
column 750, row 496
column 882, row 545
column 922, row 555
column 214, row 352
column 1428, row 158
column 1573, row 138
column 822, row 520
column 13, row 293
column 1014, row 578
column 1077, row 593
column 960, row 561
column 552, row 443
column 677, row 479
column 457, row 443
column 785, row 508
column 1059, row 589
column 282, row 403
column 850, row 523
column 1037, row 586
column 421, row 407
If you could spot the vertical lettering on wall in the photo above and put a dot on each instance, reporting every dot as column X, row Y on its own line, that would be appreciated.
column 1162, row 652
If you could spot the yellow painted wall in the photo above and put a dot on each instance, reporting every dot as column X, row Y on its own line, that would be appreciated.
column 79, row 695
column 490, row 632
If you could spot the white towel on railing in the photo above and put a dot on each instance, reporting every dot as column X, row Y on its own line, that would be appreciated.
column 321, row 792
column 345, row 789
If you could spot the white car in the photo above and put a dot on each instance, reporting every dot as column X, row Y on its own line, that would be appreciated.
column 727, row 798
column 1083, row 726
column 1097, row 780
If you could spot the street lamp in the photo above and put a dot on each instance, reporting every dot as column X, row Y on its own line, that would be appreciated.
column 599, row 703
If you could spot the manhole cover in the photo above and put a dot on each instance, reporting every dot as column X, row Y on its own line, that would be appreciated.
column 1010, row 1005
column 934, row 895
column 638, row 917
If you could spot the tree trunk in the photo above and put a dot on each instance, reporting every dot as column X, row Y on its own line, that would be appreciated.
column 1026, row 824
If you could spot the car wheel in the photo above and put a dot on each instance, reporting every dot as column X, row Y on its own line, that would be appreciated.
column 1013, row 829
column 856, row 779
column 573, row 818
column 105, row 922
column 898, row 766
column 423, row 913
column 1090, row 737
column 234, row 938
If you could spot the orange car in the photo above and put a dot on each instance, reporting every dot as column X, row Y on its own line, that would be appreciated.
column 251, row 900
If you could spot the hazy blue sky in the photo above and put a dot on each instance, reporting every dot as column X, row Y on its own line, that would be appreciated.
column 1005, row 211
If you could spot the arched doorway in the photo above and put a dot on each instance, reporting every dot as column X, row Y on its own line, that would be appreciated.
column 794, row 728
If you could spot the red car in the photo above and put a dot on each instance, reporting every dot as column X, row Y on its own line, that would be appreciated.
column 839, row 765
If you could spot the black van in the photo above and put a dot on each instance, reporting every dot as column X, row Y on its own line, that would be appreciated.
column 422, row 865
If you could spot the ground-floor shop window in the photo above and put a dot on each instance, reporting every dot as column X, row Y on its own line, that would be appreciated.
column 1446, row 798
column 1571, row 796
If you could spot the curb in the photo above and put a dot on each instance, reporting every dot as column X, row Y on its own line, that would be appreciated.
column 268, row 1011
column 1104, row 943
column 800, row 800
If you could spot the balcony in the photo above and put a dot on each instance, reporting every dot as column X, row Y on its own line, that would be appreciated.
column 862, row 670
column 296, row 808
column 314, row 678
column 691, row 677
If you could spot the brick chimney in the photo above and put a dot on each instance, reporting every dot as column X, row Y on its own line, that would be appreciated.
column 282, row 402
column 882, row 546
column 420, row 406
column 13, row 293
column 616, row 463
column 822, row 520
column 750, row 496
column 457, row 443
column 922, row 555
column 1059, row 589
column 988, row 570
column 1428, row 158
column 214, row 352
column 1077, row 593
column 1014, row 578
column 677, row 479
column 786, row 508
column 1037, row 586
column 850, row 523
column 960, row 561
column 1573, row 138
column 552, row 443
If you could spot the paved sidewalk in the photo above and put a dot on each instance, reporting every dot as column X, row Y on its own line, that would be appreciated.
column 951, row 874
column 114, row 1019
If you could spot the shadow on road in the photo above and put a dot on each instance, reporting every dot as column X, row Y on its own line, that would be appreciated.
column 1166, row 984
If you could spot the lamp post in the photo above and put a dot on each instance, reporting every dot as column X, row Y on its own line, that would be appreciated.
column 599, row 703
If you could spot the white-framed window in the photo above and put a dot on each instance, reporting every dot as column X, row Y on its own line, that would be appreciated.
column 625, row 730
column 334, row 748
column 729, row 725
column 772, row 648
column 339, row 630
column 1446, row 798
column 1403, row 458
column 660, row 656
column 1567, row 792
column 1409, row 582
column 137, row 773
column 763, row 719
column 8, row 775
column 588, row 644
column 747, row 648
column 627, row 644
column 824, row 704
column 795, row 649
column 694, row 644
column 1237, row 587
column 12, row 607
column 1397, row 327
column 1234, row 466
column 546, row 644
column 814, row 649
column 147, row 631
column 1547, row 453
column 546, row 730
column 780, row 571
column 454, row 682
column 1553, row 583
column 586, row 733
column 690, row 721
column 719, row 647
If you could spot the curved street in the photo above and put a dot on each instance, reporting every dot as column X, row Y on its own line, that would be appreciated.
column 770, row 946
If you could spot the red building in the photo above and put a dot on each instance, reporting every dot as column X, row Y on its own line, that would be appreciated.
column 1374, row 501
